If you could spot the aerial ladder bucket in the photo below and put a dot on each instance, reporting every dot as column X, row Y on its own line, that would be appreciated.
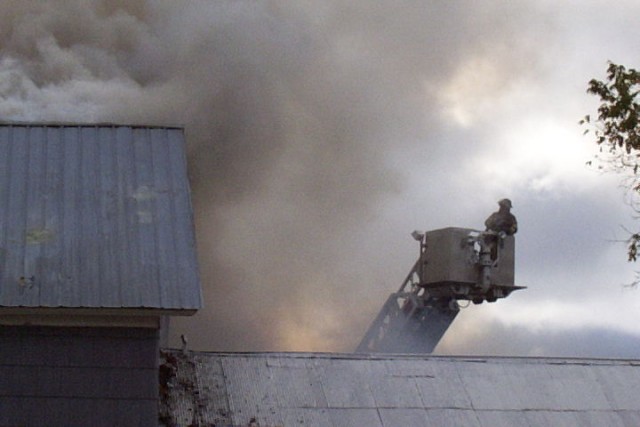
column 455, row 264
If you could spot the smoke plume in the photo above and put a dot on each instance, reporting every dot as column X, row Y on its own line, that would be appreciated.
column 301, row 119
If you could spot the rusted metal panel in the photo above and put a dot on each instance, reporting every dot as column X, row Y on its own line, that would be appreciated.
column 96, row 216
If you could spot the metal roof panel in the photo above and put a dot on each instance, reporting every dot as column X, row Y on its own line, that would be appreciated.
column 96, row 216
column 315, row 389
column 401, row 417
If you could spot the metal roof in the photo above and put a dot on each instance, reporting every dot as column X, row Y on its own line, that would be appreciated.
column 331, row 390
column 96, row 216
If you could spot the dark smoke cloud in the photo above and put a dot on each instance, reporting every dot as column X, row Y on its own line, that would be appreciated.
column 297, row 116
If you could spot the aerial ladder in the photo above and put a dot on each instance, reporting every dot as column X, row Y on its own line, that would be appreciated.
column 455, row 265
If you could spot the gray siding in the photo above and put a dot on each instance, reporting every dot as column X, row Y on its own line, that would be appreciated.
column 96, row 216
column 78, row 376
column 340, row 390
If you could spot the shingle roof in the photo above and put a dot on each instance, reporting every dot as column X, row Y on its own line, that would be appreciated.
column 96, row 216
column 330, row 390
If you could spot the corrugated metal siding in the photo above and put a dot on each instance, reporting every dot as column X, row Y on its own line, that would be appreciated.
column 96, row 216
column 331, row 390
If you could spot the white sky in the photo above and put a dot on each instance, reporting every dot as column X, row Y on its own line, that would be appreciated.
column 323, row 133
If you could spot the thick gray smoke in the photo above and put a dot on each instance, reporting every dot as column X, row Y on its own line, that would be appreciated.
column 301, row 118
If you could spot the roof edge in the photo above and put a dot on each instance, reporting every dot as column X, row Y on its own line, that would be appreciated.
column 558, row 360
column 88, row 124
column 95, row 311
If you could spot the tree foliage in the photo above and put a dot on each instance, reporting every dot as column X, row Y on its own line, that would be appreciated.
column 617, row 131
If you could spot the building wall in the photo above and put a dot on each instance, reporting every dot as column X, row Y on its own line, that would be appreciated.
column 78, row 376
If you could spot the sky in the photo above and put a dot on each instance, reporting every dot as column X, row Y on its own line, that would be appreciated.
column 321, row 134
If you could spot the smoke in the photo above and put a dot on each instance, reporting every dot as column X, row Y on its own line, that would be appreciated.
column 498, row 339
column 302, row 119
